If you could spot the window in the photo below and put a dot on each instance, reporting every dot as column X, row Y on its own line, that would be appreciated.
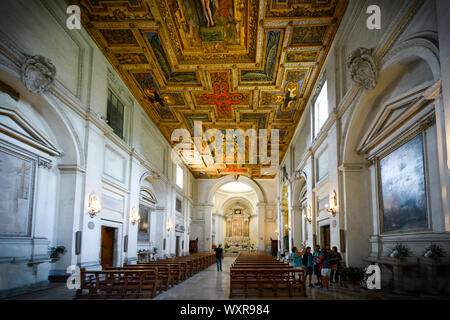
column 179, row 176
column 115, row 114
column 321, row 109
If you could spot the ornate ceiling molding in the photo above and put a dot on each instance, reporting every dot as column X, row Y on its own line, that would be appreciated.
column 178, row 59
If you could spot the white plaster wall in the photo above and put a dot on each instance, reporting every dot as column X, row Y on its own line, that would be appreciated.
column 347, row 174
column 95, row 160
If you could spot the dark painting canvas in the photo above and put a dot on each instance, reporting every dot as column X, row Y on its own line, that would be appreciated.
column 178, row 205
column 143, row 228
column 403, row 188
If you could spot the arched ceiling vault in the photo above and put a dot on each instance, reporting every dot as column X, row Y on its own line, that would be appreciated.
column 230, row 64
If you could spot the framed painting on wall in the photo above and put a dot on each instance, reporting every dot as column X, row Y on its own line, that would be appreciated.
column 178, row 206
column 17, row 175
column 402, row 185
column 143, row 227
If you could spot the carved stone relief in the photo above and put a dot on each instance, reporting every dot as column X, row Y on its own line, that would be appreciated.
column 363, row 70
column 38, row 74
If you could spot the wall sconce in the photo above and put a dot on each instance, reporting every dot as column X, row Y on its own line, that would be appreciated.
column 333, row 208
column 286, row 226
column 308, row 215
column 94, row 207
column 169, row 226
column 134, row 216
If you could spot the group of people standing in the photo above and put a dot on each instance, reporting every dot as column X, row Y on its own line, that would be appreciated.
column 325, row 265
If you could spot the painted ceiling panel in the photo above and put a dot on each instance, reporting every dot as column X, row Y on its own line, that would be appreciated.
column 231, row 64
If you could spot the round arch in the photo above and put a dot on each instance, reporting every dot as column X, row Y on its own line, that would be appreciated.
column 234, row 199
column 155, row 186
column 56, row 122
column 250, row 182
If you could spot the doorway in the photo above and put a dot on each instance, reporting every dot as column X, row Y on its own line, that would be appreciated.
column 107, row 246
column 274, row 248
column 325, row 236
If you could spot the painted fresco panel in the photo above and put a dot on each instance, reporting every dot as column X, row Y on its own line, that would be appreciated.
column 404, row 201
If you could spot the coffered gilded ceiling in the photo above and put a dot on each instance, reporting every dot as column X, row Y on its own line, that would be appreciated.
column 228, row 63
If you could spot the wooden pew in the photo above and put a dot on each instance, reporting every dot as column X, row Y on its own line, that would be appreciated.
column 262, row 275
column 142, row 280
column 178, row 269
column 121, row 284
column 267, row 282
column 165, row 274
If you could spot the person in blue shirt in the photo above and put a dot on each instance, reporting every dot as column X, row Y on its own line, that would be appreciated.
column 316, row 258
column 297, row 257
column 307, row 261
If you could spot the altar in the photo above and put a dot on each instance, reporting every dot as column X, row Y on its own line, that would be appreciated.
column 237, row 232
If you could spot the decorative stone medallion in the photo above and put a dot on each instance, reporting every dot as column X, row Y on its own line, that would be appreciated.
column 38, row 74
column 91, row 225
column 362, row 68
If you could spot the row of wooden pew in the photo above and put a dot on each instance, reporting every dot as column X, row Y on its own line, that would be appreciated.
column 258, row 274
column 142, row 280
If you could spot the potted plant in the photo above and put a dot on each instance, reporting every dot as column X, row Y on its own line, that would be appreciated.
column 400, row 252
column 351, row 277
column 55, row 252
column 434, row 251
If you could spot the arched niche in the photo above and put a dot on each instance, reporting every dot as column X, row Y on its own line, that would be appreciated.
column 234, row 199
column 156, row 186
column 44, row 112
column 410, row 64
column 152, row 210
column 227, row 179
column 58, row 201
column 405, row 73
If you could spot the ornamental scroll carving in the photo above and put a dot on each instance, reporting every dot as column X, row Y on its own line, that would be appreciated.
column 38, row 74
column 363, row 70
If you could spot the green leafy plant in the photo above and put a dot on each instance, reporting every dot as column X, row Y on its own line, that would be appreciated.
column 434, row 252
column 226, row 245
column 55, row 252
column 352, row 274
column 399, row 251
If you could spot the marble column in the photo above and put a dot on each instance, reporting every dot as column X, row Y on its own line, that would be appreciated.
column 130, row 229
column 161, row 232
column 207, row 211
column 261, row 208
column 358, row 211
column 443, row 24
column 297, row 221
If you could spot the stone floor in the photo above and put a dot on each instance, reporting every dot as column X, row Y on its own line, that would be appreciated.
column 212, row 285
